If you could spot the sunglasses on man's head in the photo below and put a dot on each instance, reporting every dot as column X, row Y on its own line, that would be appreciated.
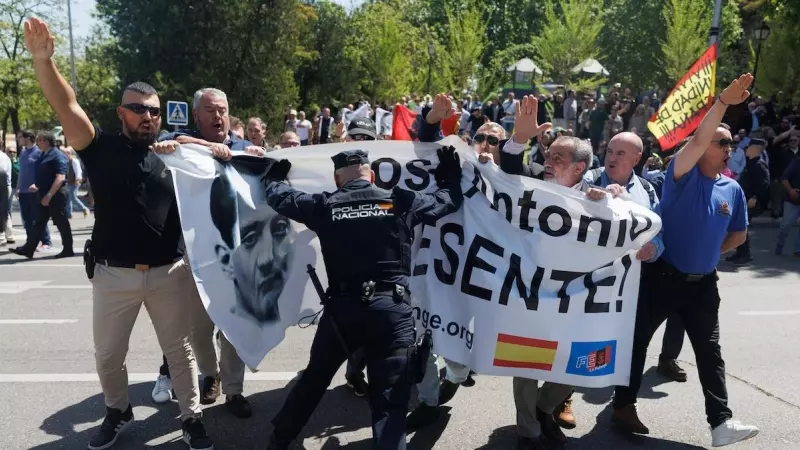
column 139, row 108
column 724, row 142
column 491, row 140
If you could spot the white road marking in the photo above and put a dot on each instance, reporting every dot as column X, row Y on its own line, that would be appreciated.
column 23, row 264
column 793, row 312
column 35, row 321
column 18, row 287
column 132, row 377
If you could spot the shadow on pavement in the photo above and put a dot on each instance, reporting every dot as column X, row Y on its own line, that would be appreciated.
column 766, row 264
column 650, row 380
column 338, row 412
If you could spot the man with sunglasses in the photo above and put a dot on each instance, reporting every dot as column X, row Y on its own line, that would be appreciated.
column 703, row 214
column 136, row 252
column 290, row 139
column 359, row 129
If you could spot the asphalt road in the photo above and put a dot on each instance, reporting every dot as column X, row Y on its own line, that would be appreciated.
column 49, row 398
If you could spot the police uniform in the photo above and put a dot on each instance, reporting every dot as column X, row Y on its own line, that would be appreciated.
column 365, row 235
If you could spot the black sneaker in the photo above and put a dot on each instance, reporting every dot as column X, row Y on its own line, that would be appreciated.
column 64, row 254
column 115, row 423
column 741, row 260
column 194, row 434
column 238, row 406
column 209, row 391
column 358, row 384
column 469, row 382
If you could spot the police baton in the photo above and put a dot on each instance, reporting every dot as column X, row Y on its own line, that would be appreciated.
column 312, row 274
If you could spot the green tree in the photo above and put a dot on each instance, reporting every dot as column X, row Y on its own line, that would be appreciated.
column 21, row 101
column 465, row 46
column 779, row 65
column 686, row 35
column 569, row 37
column 99, row 89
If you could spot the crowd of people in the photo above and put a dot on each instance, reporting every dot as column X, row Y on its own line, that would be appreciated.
column 607, row 155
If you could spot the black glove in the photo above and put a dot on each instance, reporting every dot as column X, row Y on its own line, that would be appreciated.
column 278, row 170
column 449, row 169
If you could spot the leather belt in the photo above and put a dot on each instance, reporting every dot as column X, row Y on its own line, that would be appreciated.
column 380, row 287
column 125, row 265
column 689, row 277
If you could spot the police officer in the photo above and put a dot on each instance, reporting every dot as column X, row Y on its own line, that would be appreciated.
column 369, row 249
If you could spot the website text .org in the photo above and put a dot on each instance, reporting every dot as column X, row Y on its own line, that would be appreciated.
column 434, row 322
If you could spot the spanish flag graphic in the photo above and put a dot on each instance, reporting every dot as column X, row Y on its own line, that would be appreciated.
column 524, row 353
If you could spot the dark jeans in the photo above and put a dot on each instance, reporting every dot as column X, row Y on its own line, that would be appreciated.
column 164, row 369
column 665, row 292
column 672, row 343
column 57, row 210
column 29, row 205
column 384, row 328
column 5, row 203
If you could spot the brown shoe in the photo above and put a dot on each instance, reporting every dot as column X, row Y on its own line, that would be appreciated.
column 526, row 443
column 670, row 369
column 550, row 428
column 209, row 390
column 563, row 414
column 628, row 420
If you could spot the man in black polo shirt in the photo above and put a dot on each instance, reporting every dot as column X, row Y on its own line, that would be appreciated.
column 51, row 189
column 136, row 242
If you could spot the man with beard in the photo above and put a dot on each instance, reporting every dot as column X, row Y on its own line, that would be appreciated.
column 136, row 249
column 210, row 113
column 704, row 214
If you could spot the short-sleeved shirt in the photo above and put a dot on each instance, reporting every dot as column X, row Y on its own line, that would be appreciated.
column 232, row 141
column 53, row 162
column 697, row 213
column 136, row 215
column 27, row 168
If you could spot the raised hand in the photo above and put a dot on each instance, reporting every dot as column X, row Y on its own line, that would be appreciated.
column 442, row 109
column 737, row 91
column 38, row 39
column 527, row 120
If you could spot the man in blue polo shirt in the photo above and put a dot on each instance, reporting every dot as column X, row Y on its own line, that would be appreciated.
column 703, row 214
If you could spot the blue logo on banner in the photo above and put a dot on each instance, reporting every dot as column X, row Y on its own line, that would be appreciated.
column 592, row 359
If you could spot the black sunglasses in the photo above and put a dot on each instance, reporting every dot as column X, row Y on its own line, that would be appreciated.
column 361, row 137
column 492, row 140
column 139, row 108
column 724, row 142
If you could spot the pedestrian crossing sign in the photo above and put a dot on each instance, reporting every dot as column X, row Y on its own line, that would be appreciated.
column 177, row 113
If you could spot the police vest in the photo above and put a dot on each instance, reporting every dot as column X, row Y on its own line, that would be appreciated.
column 365, row 238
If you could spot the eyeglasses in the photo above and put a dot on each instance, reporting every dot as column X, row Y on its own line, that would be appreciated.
column 290, row 144
column 724, row 142
column 491, row 140
column 361, row 137
column 139, row 108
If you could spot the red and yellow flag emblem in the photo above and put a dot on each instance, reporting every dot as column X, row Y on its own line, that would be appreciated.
column 688, row 103
column 524, row 353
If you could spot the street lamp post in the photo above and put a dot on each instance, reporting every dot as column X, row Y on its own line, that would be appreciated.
column 761, row 34
column 71, row 49
column 431, row 53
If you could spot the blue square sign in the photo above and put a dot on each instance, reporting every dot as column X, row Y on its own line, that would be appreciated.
column 177, row 113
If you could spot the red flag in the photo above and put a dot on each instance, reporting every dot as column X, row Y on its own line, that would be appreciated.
column 403, row 119
column 450, row 125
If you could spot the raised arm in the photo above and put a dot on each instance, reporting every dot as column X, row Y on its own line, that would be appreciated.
column 286, row 201
column 428, row 208
column 687, row 157
column 78, row 130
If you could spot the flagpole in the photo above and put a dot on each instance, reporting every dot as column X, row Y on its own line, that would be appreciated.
column 715, row 23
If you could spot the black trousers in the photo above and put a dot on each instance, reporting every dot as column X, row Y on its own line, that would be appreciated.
column 672, row 343
column 384, row 328
column 5, row 202
column 57, row 210
column 665, row 292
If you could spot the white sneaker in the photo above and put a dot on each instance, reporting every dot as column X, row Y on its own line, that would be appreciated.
column 731, row 432
column 162, row 391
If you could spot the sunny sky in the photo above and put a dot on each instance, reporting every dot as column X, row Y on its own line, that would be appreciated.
column 82, row 20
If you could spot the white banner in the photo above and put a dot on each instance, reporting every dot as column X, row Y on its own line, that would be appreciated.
column 527, row 279
column 383, row 122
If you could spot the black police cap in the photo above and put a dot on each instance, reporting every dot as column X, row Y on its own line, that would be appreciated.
column 362, row 126
column 757, row 141
column 350, row 158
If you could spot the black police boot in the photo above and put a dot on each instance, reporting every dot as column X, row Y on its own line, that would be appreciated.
column 358, row 384
column 469, row 382
column 238, row 406
column 274, row 444
column 447, row 390
column 422, row 416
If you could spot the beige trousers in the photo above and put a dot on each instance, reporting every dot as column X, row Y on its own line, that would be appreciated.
column 117, row 297
column 528, row 396
column 229, row 367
